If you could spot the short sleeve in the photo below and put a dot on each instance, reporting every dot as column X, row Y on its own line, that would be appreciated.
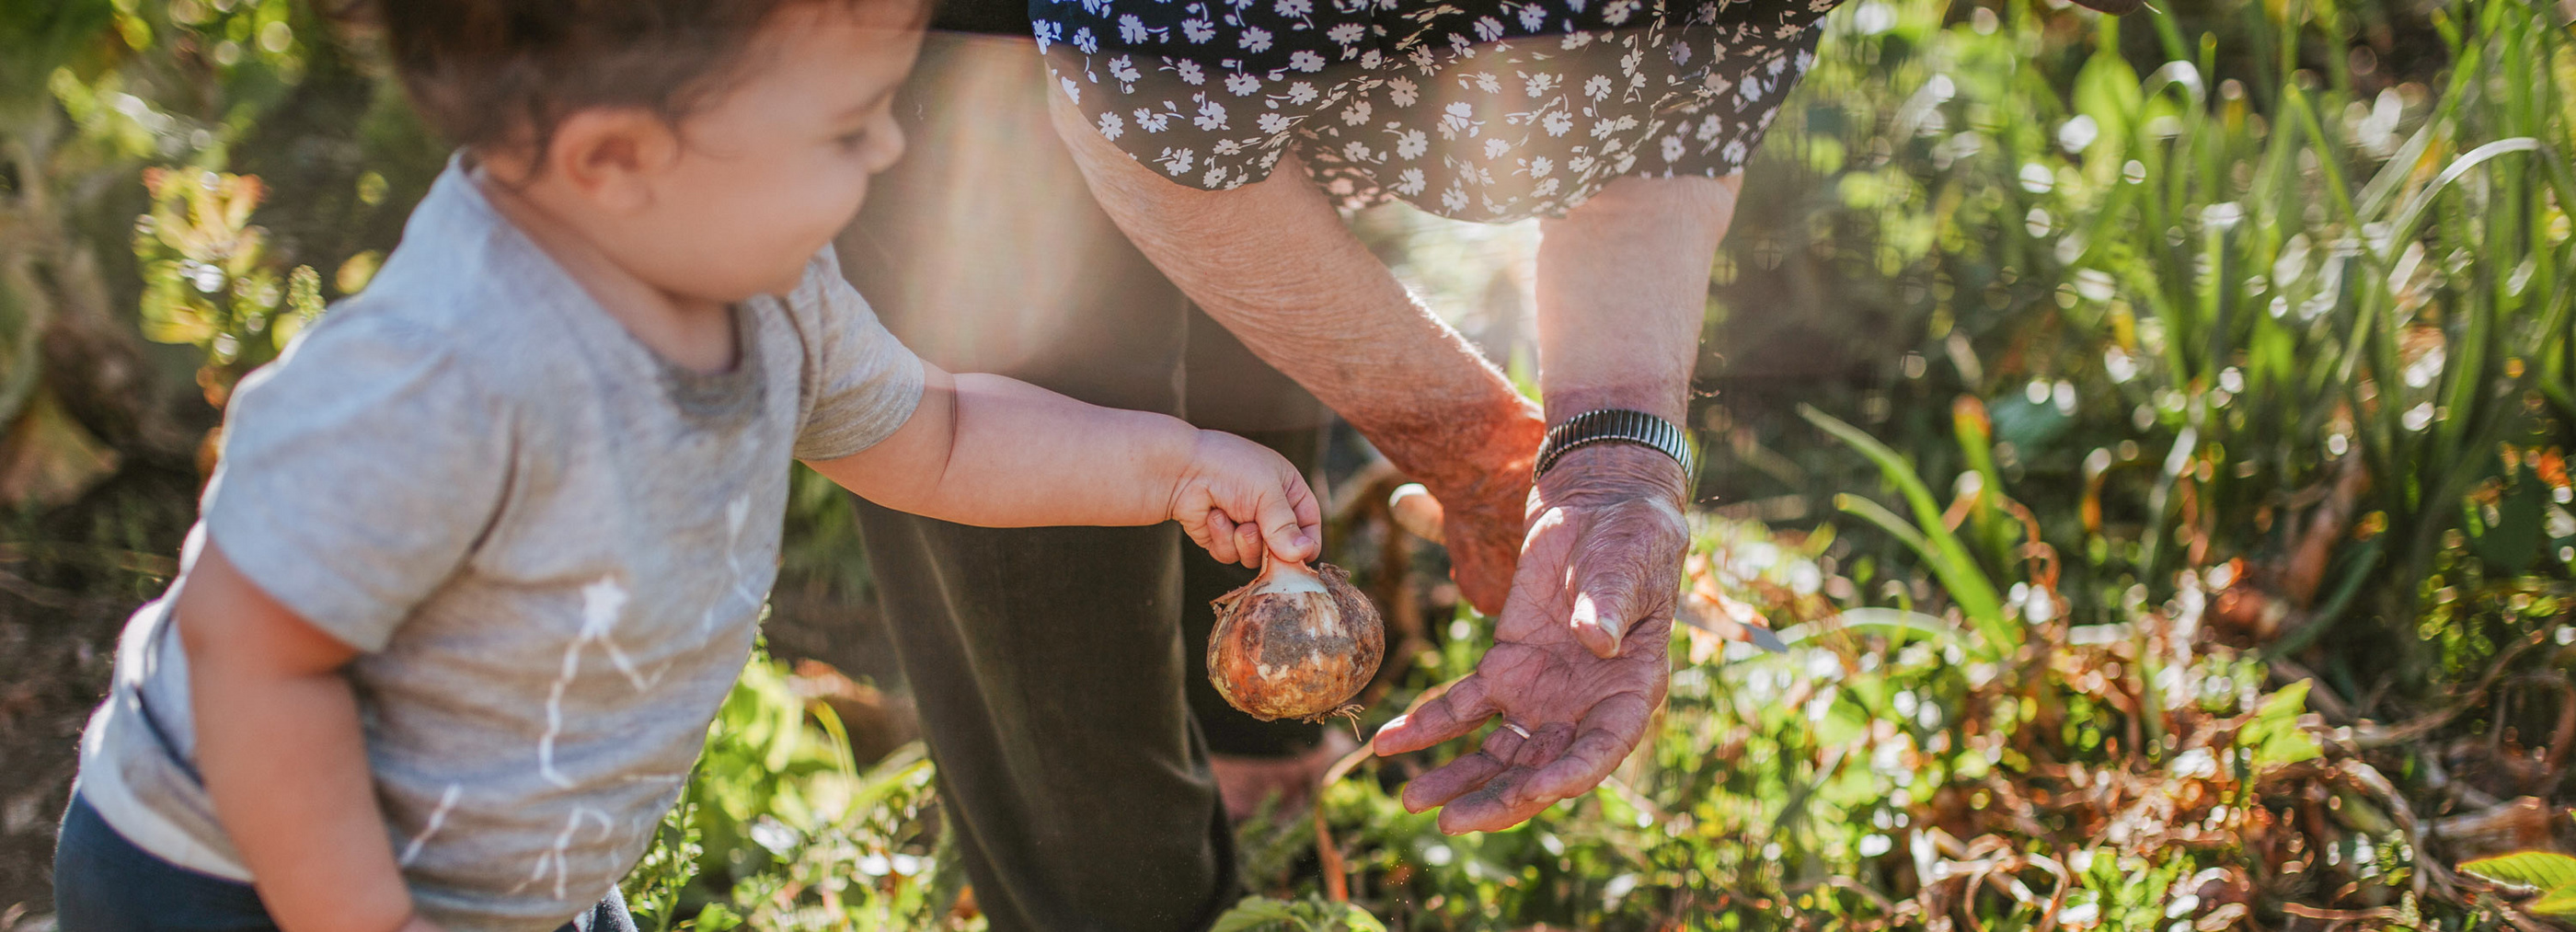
column 358, row 473
column 860, row 384
column 1207, row 99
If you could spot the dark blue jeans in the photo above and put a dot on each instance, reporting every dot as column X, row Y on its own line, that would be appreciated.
column 103, row 883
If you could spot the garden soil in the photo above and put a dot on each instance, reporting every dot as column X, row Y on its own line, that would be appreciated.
column 55, row 655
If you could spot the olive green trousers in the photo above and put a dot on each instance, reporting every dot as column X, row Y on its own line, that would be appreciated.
column 1058, row 671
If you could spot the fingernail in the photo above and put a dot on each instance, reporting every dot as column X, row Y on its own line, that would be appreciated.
column 1585, row 612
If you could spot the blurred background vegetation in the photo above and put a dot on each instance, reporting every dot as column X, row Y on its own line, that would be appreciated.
column 2150, row 435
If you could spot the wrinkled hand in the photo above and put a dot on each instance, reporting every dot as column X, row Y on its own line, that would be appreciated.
column 1482, row 516
column 1578, row 664
column 1484, row 541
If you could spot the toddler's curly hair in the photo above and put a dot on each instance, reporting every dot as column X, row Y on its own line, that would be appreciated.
column 505, row 73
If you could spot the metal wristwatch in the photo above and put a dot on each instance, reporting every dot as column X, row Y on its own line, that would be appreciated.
column 1614, row 425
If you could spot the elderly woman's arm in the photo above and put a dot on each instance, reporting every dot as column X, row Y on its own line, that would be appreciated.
column 1579, row 658
column 1578, row 664
column 1273, row 262
column 1622, row 291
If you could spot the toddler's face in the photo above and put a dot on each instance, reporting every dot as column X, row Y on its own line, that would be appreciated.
column 772, row 170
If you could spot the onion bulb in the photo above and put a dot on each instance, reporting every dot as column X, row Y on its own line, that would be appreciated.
column 1295, row 643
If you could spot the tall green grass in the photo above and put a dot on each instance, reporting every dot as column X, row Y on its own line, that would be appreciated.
column 2191, row 274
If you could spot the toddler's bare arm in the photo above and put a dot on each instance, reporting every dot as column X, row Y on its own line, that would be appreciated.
column 283, row 758
column 993, row 451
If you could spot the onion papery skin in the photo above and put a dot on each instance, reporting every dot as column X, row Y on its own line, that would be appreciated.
column 1295, row 643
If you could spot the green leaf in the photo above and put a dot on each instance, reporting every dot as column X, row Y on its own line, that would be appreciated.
column 1359, row 920
column 1886, row 520
column 2274, row 735
column 1260, row 914
column 715, row 918
column 1897, row 620
column 2107, row 90
column 1255, row 913
column 2559, row 902
column 2550, row 871
column 2423, row 200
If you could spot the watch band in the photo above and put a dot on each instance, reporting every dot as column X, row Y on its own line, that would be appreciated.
column 1618, row 425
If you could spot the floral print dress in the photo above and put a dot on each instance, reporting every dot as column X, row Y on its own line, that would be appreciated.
column 1489, row 110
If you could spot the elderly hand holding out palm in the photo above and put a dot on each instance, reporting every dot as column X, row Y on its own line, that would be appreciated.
column 1593, row 553
column 1578, row 664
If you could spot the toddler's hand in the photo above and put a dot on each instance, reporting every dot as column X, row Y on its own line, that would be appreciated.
column 1240, row 500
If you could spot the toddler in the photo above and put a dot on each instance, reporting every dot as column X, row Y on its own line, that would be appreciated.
column 489, row 543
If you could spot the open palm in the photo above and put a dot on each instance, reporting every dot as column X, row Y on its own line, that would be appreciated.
column 1578, row 663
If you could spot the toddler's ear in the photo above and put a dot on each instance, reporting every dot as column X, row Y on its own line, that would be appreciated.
column 611, row 155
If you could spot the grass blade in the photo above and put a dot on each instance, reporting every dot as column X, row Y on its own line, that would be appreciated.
column 1950, row 560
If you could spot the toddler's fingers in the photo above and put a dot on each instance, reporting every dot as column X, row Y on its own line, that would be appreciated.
column 1219, row 538
column 1310, row 512
column 1290, row 525
column 1247, row 544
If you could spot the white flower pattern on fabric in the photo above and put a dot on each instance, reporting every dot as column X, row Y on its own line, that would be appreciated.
column 1461, row 107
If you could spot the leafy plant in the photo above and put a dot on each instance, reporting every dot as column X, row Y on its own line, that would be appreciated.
column 2242, row 282
column 2550, row 872
column 1257, row 914
column 779, row 828
column 208, row 279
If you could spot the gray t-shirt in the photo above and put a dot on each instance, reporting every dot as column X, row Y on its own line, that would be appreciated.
column 550, row 544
